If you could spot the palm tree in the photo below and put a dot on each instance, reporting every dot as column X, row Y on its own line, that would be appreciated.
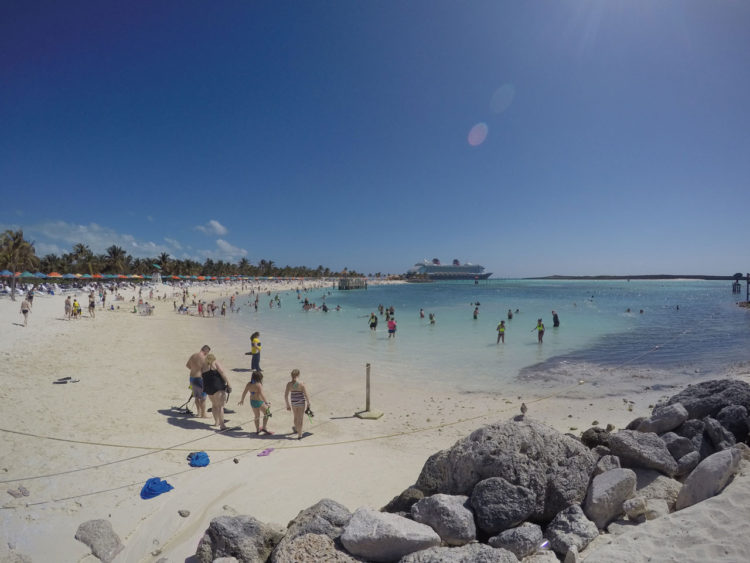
column 117, row 259
column 51, row 263
column 84, row 258
column 268, row 269
column 164, row 262
column 16, row 254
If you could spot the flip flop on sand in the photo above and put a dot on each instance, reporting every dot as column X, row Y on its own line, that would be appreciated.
column 265, row 452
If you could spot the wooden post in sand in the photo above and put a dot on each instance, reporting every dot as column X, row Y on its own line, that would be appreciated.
column 368, row 414
column 367, row 387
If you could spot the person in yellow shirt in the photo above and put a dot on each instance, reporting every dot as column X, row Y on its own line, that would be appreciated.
column 255, row 351
column 501, row 332
column 539, row 330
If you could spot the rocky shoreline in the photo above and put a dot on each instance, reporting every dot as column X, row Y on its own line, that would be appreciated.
column 519, row 490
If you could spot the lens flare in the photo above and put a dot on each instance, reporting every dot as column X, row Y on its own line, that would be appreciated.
column 502, row 98
column 478, row 134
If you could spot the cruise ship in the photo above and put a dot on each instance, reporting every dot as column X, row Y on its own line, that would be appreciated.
column 435, row 271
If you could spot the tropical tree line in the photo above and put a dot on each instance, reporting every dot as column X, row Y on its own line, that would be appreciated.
column 18, row 254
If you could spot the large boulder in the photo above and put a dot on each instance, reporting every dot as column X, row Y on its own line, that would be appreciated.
column 720, row 437
column 653, row 485
column 326, row 517
column 381, row 536
column 734, row 418
column 709, row 478
column 642, row 450
column 678, row 446
column 687, row 463
column 404, row 501
column 709, row 397
column 242, row 537
column 605, row 463
column 606, row 494
column 104, row 543
column 664, row 419
column 522, row 541
column 526, row 453
column 500, row 505
column 595, row 436
column 471, row 553
column 449, row 516
column 309, row 548
column 694, row 430
column 570, row 528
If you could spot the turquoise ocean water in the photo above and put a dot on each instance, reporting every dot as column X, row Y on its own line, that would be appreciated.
column 598, row 340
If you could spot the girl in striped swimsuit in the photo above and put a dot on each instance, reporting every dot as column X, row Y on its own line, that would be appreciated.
column 297, row 392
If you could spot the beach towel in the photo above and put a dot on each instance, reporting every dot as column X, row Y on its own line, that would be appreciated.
column 154, row 487
column 198, row 459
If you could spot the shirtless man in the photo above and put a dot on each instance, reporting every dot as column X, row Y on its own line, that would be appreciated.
column 195, row 364
column 25, row 309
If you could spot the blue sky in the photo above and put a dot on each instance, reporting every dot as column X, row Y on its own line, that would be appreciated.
column 535, row 138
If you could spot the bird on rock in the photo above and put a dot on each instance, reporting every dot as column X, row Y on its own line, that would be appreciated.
column 524, row 408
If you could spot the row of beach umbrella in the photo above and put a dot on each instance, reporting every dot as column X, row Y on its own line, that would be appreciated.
column 56, row 275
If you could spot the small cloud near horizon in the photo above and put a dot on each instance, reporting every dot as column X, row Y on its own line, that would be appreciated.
column 213, row 227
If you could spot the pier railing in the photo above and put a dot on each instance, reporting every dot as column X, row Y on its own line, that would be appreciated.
column 352, row 283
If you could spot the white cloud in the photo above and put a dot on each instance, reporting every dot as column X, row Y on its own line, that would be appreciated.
column 229, row 251
column 172, row 242
column 59, row 237
column 213, row 227
column 224, row 251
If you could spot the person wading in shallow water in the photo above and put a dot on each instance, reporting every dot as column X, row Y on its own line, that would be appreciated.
column 539, row 330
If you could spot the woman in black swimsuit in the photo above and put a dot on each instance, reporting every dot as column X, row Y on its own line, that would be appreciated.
column 216, row 386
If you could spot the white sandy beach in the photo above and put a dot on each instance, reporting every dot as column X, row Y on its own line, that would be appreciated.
column 84, row 450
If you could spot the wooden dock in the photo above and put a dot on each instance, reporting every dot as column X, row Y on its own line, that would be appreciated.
column 352, row 283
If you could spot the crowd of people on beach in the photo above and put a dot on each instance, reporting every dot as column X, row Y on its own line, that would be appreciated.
column 209, row 380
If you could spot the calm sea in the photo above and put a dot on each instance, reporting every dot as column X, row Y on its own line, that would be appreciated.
column 687, row 330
